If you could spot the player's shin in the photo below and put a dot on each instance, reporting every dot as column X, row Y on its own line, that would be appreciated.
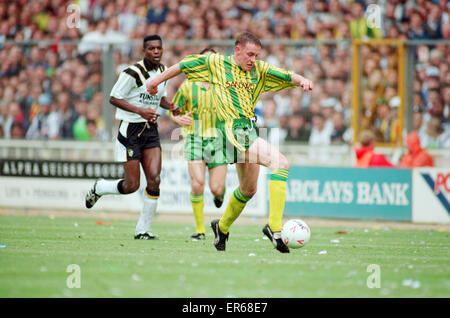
column 277, row 198
column 234, row 208
column 148, row 211
column 198, row 205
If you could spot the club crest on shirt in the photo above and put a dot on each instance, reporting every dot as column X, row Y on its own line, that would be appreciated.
column 242, row 138
column 130, row 152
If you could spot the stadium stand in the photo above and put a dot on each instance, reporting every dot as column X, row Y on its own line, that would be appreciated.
column 60, row 85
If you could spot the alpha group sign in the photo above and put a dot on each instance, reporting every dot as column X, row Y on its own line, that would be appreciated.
column 382, row 194
column 63, row 185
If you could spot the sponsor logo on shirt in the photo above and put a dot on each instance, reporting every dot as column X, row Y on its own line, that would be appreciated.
column 241, row 85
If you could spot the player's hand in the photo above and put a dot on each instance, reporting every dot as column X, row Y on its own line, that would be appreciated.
column 174, row 109
column 152, row 87
column 185, row 120
column 149, row 114
column 306, row 84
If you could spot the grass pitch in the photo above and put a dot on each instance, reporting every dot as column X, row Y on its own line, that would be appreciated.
column 35, row 254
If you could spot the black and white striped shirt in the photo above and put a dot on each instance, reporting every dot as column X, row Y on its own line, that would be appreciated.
column 131, row 87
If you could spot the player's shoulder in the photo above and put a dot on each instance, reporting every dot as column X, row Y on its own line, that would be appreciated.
column 130, row 74
column 162, row 67
column 136, row 71
column 260, row 64
column 215, row 55
column 203, row 56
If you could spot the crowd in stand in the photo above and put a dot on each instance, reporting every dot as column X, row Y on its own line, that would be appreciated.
column 54, row 91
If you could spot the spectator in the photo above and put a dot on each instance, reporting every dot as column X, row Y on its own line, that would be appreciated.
column 446, row 100
column 418, row 123
column 320, row 137
column 47, row 123
column 435, row 135
column 386, row 123
column 327, row 108
column 283, row 126
column 94, row 114
column 340, row 132
column 17, row 131
column 418, row 29
column 282, row 100
column 359, row 26
column 366, row 156
column 416, row 156
column 80, row 130
column 15, row 116
column 269, row 113
column 4, row 112
column 157, row 12
column 67, row 114
column 297, row 130
column 320, row 133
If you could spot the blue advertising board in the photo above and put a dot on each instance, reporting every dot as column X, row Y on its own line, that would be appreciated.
column 349, row 193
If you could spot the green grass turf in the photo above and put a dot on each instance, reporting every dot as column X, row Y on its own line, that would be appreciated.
column 112, row 264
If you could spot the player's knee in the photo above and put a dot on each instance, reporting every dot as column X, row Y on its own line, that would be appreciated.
column 283, row 162
column 217, row 189
column 131, row 186
column 197, row 186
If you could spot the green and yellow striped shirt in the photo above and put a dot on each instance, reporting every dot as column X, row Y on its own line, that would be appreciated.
column 193, row 97
column 235, row 92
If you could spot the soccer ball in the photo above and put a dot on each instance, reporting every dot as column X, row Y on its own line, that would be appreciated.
column 295, row 233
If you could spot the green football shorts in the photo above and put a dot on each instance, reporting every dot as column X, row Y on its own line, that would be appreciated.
column 237, row 137
column 207, row 149
column 233, row 137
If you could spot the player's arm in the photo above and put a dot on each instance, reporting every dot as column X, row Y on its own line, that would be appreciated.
column 146, row 113
column 277, row 79
column 195, row 67
column 152, row 84
column 298, row 80
column 166, row 104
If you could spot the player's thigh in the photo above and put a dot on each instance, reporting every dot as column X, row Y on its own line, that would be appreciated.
column 217, row 179
column 197, row 170
column 248, row 177
column 263, row 153
column 151, row 164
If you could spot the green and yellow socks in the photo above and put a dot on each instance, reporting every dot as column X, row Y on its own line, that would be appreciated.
column 234, row 208
column 277, row 198
column 197, row 206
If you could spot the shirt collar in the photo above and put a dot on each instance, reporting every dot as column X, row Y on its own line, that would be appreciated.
column 150, row 67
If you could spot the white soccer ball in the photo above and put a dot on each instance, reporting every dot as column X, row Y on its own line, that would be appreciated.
column 295, row 233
